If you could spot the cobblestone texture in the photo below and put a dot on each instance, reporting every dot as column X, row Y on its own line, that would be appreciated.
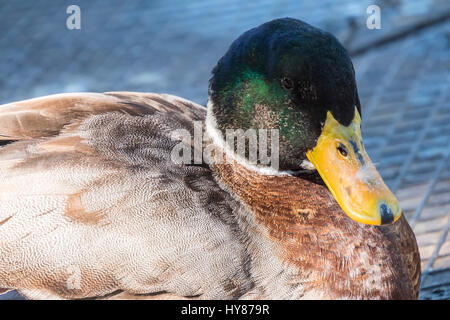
column 171, row 46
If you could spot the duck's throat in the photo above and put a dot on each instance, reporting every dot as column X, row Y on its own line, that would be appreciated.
column 280, row 202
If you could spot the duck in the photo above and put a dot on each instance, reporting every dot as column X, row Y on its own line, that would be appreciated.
column 127, row 195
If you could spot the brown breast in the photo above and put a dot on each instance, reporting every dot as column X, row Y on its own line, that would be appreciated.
column 336, row 257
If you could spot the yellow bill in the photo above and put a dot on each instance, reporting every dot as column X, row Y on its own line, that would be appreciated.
column 345, row 167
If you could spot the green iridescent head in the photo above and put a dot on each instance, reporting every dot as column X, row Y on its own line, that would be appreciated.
column 285, row 75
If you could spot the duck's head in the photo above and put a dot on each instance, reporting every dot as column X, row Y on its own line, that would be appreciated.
column 290, row 76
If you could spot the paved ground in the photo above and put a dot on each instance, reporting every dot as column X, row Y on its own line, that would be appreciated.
column 171, row 46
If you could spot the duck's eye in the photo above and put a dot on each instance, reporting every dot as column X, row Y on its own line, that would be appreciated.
column 287, row 83
column 342, row 150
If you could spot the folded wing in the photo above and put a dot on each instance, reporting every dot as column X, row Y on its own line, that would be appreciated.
column 91, row 204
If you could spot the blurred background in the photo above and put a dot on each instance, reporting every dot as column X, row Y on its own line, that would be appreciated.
column 171, row 46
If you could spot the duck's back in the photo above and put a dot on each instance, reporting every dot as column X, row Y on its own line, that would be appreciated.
column 91, row 203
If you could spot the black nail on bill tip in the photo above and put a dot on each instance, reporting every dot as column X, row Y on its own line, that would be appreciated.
column 386, row 214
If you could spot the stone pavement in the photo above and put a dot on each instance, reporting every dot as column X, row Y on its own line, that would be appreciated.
column 171, row 46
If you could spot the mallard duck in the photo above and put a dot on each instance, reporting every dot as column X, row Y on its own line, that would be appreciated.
column 95, row 203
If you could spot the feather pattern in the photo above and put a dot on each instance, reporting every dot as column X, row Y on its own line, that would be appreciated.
column 91, row 206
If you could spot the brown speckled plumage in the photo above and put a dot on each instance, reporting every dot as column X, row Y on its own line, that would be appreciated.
column 88, row 190
column 334, row 255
